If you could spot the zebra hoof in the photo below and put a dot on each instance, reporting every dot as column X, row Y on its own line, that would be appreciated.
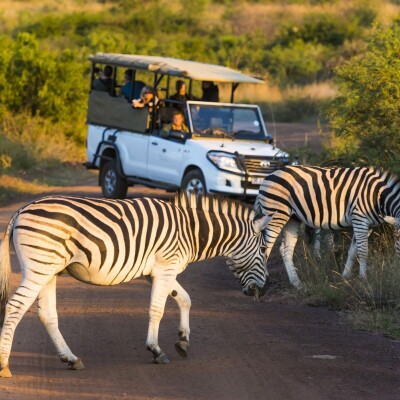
column 181, row 346
column 161, row 359
column 5, row 372
column 298, row 285
column 76, row 365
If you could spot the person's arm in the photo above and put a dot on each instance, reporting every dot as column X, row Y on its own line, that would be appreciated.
column 138, row 103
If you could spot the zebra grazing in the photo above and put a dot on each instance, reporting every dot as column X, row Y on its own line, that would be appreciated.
column 328, row 198
column 106, row 242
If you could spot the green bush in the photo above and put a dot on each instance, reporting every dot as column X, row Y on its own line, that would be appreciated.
column 298, row 63
column 325, row 29
column 365, row 117
column 43, row 83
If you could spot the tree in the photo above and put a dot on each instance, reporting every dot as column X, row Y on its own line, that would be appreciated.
column 365, row 116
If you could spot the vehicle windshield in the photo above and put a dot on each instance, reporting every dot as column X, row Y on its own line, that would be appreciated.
column 236, row 122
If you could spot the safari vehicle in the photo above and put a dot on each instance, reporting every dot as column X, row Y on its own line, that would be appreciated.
column 227, row 149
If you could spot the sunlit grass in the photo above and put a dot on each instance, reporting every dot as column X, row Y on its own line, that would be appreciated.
column 372, row 304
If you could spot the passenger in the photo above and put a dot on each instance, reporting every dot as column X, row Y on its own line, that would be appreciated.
column 210, row 91
column 105, row 82
column 96, row 72
column 131, row 89
column 181, row 95
column 178, row 124
column 147, row 99
column 150, row 101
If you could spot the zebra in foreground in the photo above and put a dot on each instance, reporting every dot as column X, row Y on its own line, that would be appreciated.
column 331, row 199
column 107, row 242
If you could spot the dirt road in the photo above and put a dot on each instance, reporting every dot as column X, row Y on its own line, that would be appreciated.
column 240, row 349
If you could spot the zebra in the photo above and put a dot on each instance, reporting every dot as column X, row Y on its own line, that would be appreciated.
column 331, row 199
column 107, row 242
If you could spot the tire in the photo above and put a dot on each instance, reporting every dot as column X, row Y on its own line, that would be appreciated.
column 193, row 183
column 113, row 185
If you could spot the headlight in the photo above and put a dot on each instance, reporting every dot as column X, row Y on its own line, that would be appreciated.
column 225, row 161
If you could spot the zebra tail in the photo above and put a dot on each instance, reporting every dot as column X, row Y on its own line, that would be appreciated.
column 5, row 268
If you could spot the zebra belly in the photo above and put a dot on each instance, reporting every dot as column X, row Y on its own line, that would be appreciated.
column 81, row 273
column 326, row 225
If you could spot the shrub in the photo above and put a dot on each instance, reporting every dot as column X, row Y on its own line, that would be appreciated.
column 43, row 83
column 299, row 63
column 365, row 117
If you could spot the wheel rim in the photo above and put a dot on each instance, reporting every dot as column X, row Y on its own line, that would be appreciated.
column 110, row 181
column 195, row 186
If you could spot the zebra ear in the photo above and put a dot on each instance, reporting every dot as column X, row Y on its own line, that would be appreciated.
column 392, row 220
column 260, row 224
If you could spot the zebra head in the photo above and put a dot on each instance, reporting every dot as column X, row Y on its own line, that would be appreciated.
column 248, row 261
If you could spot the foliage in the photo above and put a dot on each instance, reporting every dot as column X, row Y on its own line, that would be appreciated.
column 44, row 72
column 365, row 117
column 42, row 83
column 298, row 63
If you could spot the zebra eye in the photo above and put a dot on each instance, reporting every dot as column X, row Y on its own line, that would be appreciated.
column 263, row 248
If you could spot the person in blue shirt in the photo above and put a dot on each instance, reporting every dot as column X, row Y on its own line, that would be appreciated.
column 131, row 89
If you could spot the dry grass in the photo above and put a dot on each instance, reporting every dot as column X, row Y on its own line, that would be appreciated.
column 273, row 94
column 12, row 183
column 11, row 8
column 268, row 17
column 372, row 305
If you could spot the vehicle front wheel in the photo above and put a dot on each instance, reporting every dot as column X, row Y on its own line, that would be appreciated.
column 113, row 185
column 194, row 183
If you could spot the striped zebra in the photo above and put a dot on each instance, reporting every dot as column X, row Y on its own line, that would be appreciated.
column 107, row 242
column 331, row 199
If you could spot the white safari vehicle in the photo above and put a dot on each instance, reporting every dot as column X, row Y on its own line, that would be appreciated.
column 227, row 149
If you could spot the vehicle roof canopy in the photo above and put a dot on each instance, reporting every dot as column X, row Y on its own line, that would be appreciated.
column 175, row 67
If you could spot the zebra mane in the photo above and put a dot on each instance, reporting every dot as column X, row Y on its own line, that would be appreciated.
column 213, row 205
column 393, row 179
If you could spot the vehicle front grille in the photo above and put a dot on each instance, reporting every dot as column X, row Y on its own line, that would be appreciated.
column 249, row 185
column 260, row 165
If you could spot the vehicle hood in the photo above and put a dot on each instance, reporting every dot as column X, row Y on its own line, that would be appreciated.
column 244, row 147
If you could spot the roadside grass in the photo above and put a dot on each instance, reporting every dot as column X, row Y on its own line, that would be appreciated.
column 35, row 155
column 41, row 179
column 372, row 305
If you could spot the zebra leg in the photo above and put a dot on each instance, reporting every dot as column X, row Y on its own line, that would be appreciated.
column 16, row 308
column 317, row 243
column 351, row 256
column 361, row 233
column 48, row 316
column 162, row 286
column 289, row 240
column 182, row 298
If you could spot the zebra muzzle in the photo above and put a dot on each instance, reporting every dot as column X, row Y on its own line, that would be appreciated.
column 255, row 290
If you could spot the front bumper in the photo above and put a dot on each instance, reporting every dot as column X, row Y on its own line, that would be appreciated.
column 231, row 184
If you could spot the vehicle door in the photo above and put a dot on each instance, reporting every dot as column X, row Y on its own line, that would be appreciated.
column 165, row 159
column 133, row 151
